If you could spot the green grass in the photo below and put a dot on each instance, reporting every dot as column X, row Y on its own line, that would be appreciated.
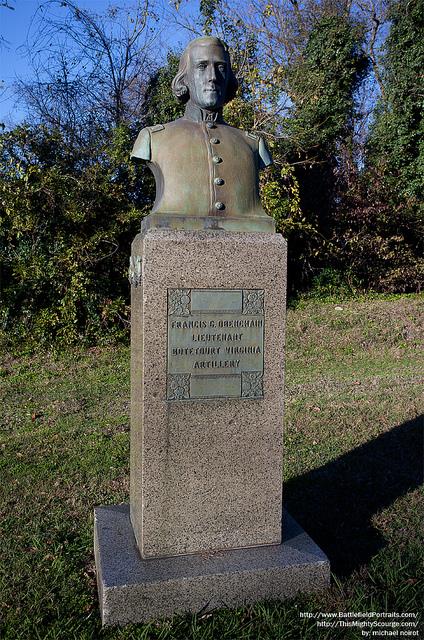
column 352, row 468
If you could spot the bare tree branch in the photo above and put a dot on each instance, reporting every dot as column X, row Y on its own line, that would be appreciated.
column 89, row 70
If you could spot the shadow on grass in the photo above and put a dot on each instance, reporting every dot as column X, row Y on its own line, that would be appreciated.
column 335, row 503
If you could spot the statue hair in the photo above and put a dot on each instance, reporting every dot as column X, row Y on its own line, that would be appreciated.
column 179, row 86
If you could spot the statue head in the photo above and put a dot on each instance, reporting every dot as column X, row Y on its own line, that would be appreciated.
column 205, row 76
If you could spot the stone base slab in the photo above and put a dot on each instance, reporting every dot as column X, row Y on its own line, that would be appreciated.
column 133, row 590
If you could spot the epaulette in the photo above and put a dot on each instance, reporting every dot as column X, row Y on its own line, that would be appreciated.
column 252, row 135
column 157, row 127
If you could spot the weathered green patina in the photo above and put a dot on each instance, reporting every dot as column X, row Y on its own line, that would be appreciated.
column 206, row 172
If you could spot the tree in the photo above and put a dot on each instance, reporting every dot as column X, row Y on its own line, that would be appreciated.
column 389, row 220
column 65, row 234
column 322, row 85
column 396, row 145
column 160, row 105
column 70, row 199
column 5, row 4
column 207, row 10
column 90, row 70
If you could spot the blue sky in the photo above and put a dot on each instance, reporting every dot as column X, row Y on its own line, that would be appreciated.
column 14, row 28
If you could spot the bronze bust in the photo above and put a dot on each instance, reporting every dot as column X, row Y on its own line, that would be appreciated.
column 206, row 172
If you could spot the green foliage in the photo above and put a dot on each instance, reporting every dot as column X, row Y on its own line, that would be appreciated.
column 322, row 87
column 71, row 202
column 396, row 145
column 160, row 102
column 281, row 199
column 239, row 113
column 394, row 228
column 207, row 9
column 65, row 230
column 379, row 225
column 333, row 285
column 374, row 242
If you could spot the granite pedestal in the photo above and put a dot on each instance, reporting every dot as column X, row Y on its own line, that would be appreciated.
column 132, row 589
column 203, row 529
column 206, row 414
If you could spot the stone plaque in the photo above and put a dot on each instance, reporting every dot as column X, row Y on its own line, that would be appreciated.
column 215, row 343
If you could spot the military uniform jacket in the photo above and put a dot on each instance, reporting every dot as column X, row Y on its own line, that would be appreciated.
column 204, row 167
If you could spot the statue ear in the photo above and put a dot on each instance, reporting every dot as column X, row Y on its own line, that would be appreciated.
column 179, row 88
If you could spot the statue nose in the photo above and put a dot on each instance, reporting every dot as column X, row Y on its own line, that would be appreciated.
column 212, row 74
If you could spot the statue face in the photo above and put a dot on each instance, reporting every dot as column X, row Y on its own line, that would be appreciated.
column 207, row 76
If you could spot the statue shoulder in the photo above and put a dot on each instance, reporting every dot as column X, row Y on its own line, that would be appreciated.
column 265, row 158
column 143, row 145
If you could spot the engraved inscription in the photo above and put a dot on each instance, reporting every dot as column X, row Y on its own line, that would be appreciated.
column 215, row 343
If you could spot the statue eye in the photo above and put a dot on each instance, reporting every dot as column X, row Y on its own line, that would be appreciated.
column 222, row 67
column 202, row 65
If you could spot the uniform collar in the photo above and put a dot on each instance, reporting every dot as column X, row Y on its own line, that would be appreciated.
column 196, row 114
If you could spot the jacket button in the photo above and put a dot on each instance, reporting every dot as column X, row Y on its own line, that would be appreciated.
column 216, row 159
column 214, row 141
column 219, row 181
column 219, row 206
